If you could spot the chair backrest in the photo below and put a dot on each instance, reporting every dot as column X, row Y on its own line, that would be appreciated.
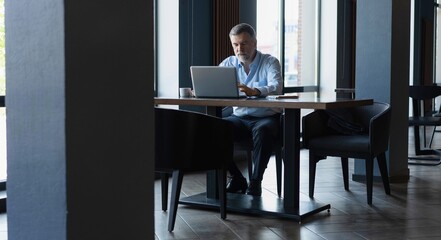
column 366, row 114
column 422, row 93
column 191, row 141
column 377, row 118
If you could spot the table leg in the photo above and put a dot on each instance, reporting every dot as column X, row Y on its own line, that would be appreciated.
column 291, row 160
column 212, row 183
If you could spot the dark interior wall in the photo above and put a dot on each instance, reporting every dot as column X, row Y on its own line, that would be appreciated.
column 248, row 12
column 374, row 30
column 423, row 65
column 346, row 19
column 399, row 92
column 195, row 40
column 109, row 119
column 195, row 37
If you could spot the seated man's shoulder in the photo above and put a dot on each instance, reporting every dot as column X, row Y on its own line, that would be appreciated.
column 230, row 61
column 269, row 58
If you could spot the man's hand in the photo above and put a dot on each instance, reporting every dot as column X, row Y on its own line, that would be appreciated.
column 248, row 91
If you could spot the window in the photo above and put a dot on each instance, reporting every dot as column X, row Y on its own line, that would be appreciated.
column 2, row 93
column 296, row 48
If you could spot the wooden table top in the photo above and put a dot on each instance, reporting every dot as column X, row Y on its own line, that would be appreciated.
column 306, row 102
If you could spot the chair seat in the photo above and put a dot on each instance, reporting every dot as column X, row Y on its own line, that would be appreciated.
column 424, row 121
column 341, row 143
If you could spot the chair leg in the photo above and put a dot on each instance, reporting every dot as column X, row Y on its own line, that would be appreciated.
column 345, row 169
column 175, row 192
column 312, row 169
column 369, row 178
column 431, row 137
column 424, row 137
column 381, row 159
column 222, row 175
column 279, row 172
column 416, row 140
column 164, row 190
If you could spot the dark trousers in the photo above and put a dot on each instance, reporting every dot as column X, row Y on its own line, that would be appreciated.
column 264, row 131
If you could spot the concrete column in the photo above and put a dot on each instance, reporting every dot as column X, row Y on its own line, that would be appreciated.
column 79, row 119
column 382, row 72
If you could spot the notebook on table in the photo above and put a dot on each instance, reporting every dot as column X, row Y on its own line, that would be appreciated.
column 215, row 82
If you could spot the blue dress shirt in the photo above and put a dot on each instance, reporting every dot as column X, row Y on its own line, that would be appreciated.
column 265, row 75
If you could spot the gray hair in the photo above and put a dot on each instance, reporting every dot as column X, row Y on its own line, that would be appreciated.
column 241, row 28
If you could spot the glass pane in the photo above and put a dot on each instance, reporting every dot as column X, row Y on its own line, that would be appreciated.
column 307, row 30
column 267, row 29
column 2, row 48
column 2, row 92
column 300, row 51
column 291, row 43
column 2, row 145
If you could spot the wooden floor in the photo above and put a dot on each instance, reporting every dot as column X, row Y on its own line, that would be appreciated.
column 412, row 211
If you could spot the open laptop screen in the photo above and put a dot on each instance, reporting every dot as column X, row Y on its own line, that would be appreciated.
column 215, row 82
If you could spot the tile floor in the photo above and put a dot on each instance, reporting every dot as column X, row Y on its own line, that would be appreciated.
column 413, row 211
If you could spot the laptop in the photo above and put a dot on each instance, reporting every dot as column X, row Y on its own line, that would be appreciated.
column 215, row 82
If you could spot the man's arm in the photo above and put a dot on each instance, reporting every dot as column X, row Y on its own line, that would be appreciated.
column 274, row 78
column 249, row 91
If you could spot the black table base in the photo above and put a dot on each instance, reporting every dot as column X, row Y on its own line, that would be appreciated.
column 265, row 205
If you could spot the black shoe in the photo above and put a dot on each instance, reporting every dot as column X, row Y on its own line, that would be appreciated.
column 255, row 188
column 237, row 184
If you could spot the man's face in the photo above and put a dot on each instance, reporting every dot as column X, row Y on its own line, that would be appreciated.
column 244, row 47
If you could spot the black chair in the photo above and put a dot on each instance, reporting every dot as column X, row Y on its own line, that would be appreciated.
column 422, row 116
column 365, row 136
column 435, row 114
column 182, row 141
column 247, row 146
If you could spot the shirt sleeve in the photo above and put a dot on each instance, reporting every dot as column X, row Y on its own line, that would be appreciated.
column 273, row 77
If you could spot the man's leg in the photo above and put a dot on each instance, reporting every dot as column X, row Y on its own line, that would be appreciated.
column 238, row 183
column 264, row 132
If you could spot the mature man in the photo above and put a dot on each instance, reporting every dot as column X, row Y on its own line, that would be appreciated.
column 259, row 75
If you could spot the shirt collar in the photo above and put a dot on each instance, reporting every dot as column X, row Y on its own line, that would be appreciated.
column 255, row 60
